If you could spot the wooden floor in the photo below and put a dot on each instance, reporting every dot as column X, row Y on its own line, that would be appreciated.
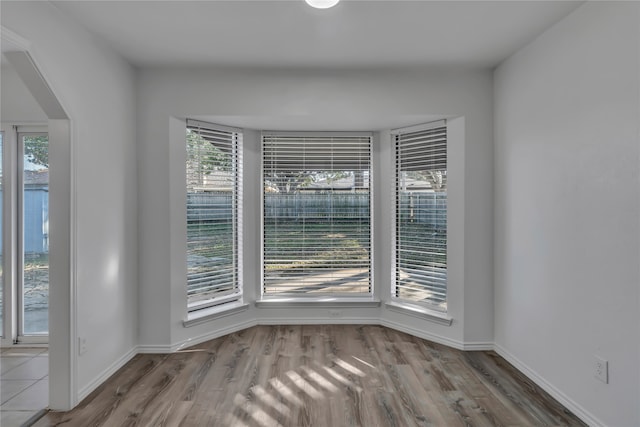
column 320, row 375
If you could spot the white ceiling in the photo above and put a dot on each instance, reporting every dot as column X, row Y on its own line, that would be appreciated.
column 352, row 122
column 354, row 34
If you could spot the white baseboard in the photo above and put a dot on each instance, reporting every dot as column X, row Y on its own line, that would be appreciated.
column 478, row 346
column 459, row 345
column 166, row 349
column 154, row 349
column 566, row 401
column 211, row 335
column 321, row 321
column 101, row 378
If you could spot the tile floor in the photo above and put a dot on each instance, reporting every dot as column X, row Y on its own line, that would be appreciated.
column 24, row 384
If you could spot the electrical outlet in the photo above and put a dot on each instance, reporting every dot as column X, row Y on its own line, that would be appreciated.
column 82, row 345
column 601, row 369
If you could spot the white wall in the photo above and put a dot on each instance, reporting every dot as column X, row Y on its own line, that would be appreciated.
column 259, row 96
column 566, row 193
column 96, row 88
column 567, row 207
column 17, row 105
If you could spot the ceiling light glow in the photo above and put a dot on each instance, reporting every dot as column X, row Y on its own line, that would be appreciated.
column 322, row 4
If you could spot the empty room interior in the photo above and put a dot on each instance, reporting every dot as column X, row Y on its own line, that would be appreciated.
column 263, row 213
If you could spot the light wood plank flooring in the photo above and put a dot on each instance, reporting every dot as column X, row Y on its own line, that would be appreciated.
column 320, row 375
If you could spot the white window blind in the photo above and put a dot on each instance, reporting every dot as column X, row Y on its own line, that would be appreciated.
column 421, row 215
column 317, row 214
column 214, row 214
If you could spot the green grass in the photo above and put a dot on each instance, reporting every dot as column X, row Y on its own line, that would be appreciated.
column 324, row 244
column 342, row 241
column 419, row 236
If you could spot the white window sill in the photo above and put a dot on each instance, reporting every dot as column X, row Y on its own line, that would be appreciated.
column 332, row 302
column 213, row 313
column 420, row 312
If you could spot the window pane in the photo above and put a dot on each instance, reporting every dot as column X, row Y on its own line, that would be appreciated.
column 421, row 217
column 317, row 210
column 213, row 195
column 35, row 295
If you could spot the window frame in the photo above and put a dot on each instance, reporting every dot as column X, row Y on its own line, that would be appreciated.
column 317, row 300
column 200, row 309
column 13, row 227
column 22, row 133
column 397, row 303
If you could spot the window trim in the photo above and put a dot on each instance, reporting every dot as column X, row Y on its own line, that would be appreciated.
column 326, row 300
column 213, row 313
column 313, row 302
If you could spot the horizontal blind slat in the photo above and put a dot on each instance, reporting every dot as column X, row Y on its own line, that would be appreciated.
column 421, row 210
column 316, row 202
column 213, row 173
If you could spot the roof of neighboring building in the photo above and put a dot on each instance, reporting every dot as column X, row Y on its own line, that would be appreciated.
column 36, row 177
